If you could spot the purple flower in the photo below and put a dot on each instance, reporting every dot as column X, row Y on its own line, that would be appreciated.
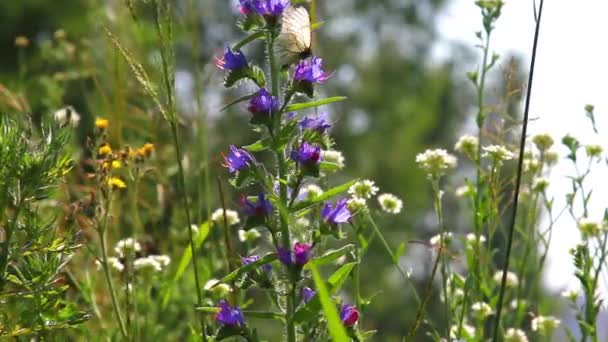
column 246, row 6
column 310, row 70
column 318, row 123
column 237, row 159
column 263, row 103
column 337, row 215
column 267, row 8
column 229, row 315
column 299, row 257
column 307, row 294
column 349, row 315
column 253, row 258
column 261, row 208
column 231, row 60
column 307, row 154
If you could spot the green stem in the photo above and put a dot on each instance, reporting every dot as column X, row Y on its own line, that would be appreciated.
column 106, row 269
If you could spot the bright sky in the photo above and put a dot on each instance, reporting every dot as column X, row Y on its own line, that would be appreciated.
column 571, row 71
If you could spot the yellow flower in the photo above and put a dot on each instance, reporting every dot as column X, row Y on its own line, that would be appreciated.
column 102, row 123
column 116, row 183
column 22, row 41
column 146, row 150
column 116, row 164
column 105, row 149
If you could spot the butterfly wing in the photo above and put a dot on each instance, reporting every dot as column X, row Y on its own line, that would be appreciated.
column 295, row 37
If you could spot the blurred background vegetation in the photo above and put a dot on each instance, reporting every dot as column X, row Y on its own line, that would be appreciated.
column 401, row 101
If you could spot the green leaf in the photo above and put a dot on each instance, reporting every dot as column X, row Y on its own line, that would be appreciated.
column 248, row 39
column 324, row 196
column 268, row 258
column 256, row 74
column 240, row 99
column 339, row 277
column 399, row 252
column 259, row 146
column 263, row 314
column 334, row 324
column 312, row 104
column 199, row 239
column 330, row 256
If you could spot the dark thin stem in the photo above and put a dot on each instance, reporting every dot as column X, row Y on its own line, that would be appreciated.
column 522, row 146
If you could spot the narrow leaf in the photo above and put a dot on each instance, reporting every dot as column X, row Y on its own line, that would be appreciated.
column 312, row 104
column 324, row 196
column 240, row 99
column 334, row 324
column 248, row 40
column 268, row 258
column 331, row 256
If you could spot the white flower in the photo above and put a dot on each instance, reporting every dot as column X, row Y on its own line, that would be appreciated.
column 249, row 235
column 512, row 280
column 162, row 259
column 540, row 184
column 543, row 141
column 311, row 191
column 334, row 157
column 127, row 246
column 112, row 262
column 515, row 335
column 447, row 239
column 531, row 165
column 436, row 162
column 497, row 153
column 467, row 331
column 472, row 240
column 464, row 190
column 545, row 324
column 571, row 293
column 482, row 309
column 356, row 204
column 67, row 115
column 467, row 144
column 232, row 217
column 363, row 189
column 147, row 264
column 390, row 203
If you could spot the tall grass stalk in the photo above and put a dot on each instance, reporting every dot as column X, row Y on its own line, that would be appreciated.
column 522, row 146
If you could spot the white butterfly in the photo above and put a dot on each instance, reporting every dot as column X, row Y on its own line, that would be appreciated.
column 296, row 35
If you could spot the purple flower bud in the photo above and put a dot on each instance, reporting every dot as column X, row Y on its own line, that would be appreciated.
column 246, row 7
column 307, row 154
column 349, row 315
column 299, row 256
column 337, row 215
column 268, row 8
column 253, row 258
column 229, row 315
column 231, row 60
column 263, row 103
column 318, row 123
column 237, row 159
column 301, row 253
column 310, row 70
column 261, row 208
column 307, row 294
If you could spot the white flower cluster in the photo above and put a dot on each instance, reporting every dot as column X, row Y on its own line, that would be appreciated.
column 67, row 115
column 364, row 189
column 334, row 157
column 467, row 332
column 311, row 191
column 497, row 153
column 515, row 335
column 249, row 235
column 128, row 246
column 512, row 279
column 472, row 240
column 545, row 324
column 390, row 203
column 436, row 162
column 590, row 228
column 482, row 310
column 447, row 239
column 151, row 263
column 232, row 217
column 467, row 145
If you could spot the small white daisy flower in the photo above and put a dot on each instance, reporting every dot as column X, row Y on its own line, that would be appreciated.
column 363, row 189
column 162, row 259
column 356, row 204
column 467, row 145
column 515, row 335
column 512, row 279
column 436, row 162
column 482, row 309
column 232, row 217
column 334, row 157
column 127, row 246
column 545, row 324
column 311, row 191
column 497, row 153
column 467, row 332
column 249, row 235
column 543, row 141
column 390, row 203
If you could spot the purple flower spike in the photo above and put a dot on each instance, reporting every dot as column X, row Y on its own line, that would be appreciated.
column 310, row 70
column 318, row 123
column 307, row 294
column 261, row 208
column 229, row 315
column 301, row 253
column 237, row 159
column 231, row 60
column 263, row 103
column 349, row 315
column 253, row 258
column 269, row 8
column 284, row 256
column 337, row 215
column 307, row 154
